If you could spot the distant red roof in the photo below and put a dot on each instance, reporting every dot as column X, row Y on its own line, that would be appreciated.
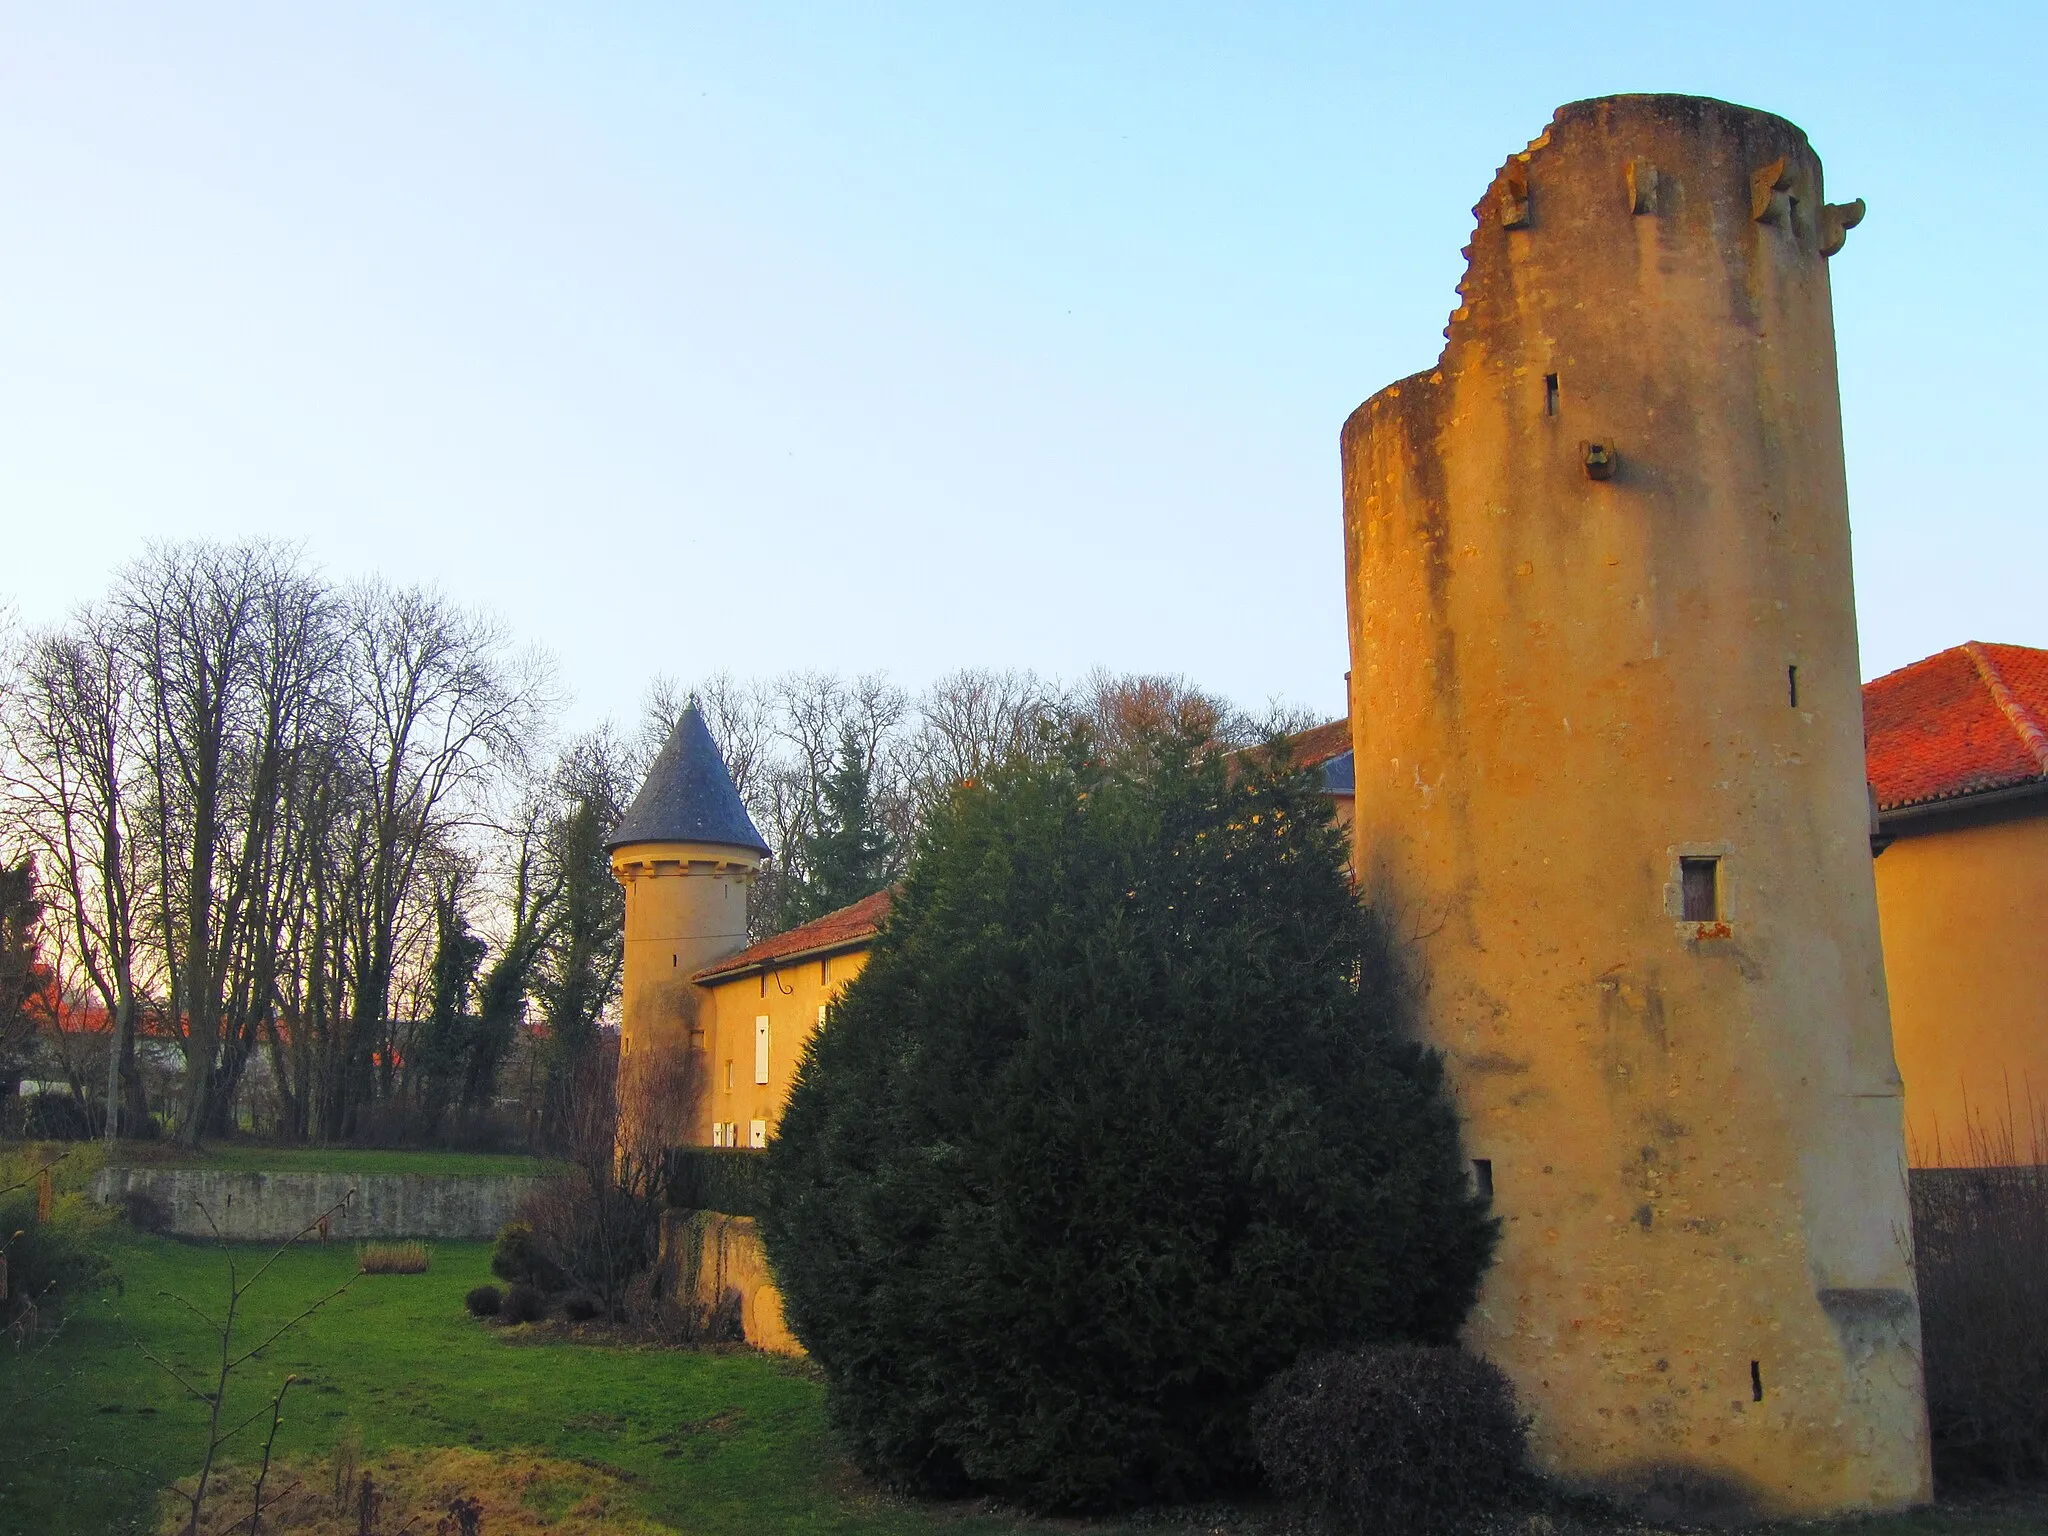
column 1312, row 748
column 1965, row 721
column 848, row 928
column 1320, row 743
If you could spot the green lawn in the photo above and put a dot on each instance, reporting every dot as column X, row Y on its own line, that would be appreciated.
column 707, row 1442
column 246, row 1158
column 711, row 1442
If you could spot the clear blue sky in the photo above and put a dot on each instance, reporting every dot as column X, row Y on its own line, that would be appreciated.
column 868, row 336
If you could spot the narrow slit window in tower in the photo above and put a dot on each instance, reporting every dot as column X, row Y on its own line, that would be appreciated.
column 1700, row 888
column 1550, row 394
column 1482, row 1177
column 1756, row 1381
column 1792, row 685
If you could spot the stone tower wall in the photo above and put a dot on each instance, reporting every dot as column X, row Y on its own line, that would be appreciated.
column 686, row 907
column 1584, row 556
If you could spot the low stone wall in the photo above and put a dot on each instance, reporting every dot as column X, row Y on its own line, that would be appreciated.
column 716, row 1261
column 270, row 1207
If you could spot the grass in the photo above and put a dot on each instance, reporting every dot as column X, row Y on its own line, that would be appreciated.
column 243, row 1157
column 700, row 1442
column 712, row 1443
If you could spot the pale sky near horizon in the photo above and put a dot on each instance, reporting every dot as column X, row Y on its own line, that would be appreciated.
column 894, row 337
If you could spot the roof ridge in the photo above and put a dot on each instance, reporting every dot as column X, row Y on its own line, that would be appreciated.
column 2016, row 713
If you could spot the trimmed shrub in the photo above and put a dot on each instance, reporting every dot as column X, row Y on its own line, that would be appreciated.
column 1115, row 1123
column 731, row 1180
column 522, row 1304
column 520, row 1259
column 580, row 1308
column 484, row 1301
column 1394, row 1438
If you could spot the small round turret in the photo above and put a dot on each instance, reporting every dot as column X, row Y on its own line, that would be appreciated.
column 687, row 854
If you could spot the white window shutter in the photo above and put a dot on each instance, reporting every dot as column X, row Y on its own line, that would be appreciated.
column 759, row 1133
column 761, row 1049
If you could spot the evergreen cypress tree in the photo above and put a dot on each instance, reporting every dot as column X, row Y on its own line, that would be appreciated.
column 848, row 856
column 578, row 974
column 1115, row 1123
column 450, row 1027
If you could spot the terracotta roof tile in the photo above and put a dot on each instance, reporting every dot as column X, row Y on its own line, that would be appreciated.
column 1965, row 721
column 1327, row 747
column 848, row 928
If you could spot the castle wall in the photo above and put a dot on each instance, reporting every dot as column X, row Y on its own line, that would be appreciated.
column 1961, row 898
column 1584, row 555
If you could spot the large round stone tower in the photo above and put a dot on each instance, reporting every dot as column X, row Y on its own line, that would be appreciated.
column 687, row 854
column 1610, row 792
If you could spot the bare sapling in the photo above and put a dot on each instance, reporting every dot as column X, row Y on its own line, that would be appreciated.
column 231, row 1359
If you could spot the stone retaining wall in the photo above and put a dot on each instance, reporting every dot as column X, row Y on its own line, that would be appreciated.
column 714, row 1261
column 270, row 1207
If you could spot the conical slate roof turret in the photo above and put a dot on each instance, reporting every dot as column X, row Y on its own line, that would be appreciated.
column 688, row 796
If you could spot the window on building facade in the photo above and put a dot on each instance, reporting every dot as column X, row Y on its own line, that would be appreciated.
column 1699, row 883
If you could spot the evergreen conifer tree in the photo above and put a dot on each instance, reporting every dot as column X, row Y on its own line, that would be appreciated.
column 450, row 1028
column 848, row 856
column 1115, row 1123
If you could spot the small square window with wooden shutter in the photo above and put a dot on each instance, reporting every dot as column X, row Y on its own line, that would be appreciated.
column 757, row 1133
column 761, row 1049
column 1699, row 882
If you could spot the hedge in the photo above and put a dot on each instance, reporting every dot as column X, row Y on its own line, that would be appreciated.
column 724, row 1179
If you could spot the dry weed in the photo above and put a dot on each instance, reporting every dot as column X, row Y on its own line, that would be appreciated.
column 393, row 1258
column 422, row 1492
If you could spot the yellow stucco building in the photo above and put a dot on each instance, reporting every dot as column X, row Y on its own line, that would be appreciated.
column 1958, row 763
column 764, row 1003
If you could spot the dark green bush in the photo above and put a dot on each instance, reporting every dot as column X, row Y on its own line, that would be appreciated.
column 520, row 1258
column 54, row 1261
column 144, row 1212
column 1114, row 1125
column 522, row 1304
column 484, row 1301
column 1392, row 1438
column 1980, row 1246
column 580, row 1308
column 732, row 1180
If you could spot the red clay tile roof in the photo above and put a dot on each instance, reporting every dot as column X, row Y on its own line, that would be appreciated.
column 1320, row 743
column 1312, row 748
column 848, row 928
column 1965, row 721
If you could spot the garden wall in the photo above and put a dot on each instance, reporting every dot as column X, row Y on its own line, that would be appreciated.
column 707, row 1256
column 270, row 1207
